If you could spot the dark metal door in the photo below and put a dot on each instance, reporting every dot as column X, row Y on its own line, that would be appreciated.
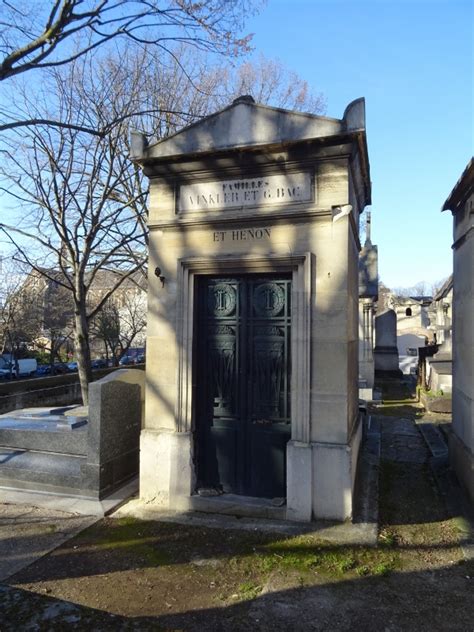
column 243, row 383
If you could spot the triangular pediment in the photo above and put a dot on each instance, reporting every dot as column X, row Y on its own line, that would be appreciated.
column 246, row 124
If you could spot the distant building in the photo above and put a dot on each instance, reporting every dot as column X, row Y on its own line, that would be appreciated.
column 126, row 309
column 54, row 310
column 461, row 441
column 411, row 317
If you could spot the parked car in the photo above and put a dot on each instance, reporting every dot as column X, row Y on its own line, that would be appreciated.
column 58, row 368
column 72, row 367
column 134, row 355
column 99, row 363
column 43, row 369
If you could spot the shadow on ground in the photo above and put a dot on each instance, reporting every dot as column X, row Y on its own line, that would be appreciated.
column 123, row 573
column 436, row 599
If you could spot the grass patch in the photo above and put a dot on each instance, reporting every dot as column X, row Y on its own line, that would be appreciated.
column 249, row 590
column 383, row 568
column 387, row 538
column 306, row 554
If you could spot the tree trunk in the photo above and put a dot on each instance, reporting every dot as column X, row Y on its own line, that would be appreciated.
column 51, row 353
column 83, row 353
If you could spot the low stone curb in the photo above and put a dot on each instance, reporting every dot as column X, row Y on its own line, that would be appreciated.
column 343, row 533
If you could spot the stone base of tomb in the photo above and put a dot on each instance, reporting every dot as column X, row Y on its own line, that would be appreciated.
column 320, row 479
column 462, row 461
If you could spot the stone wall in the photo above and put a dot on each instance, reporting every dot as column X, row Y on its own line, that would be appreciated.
column 461, row 444
column 60, row 395
column 57, row 390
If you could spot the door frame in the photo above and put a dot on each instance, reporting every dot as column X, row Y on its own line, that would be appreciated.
column 302, row 268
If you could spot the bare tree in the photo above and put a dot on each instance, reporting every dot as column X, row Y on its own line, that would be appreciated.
column 80, row 219
column 199, row 89
column 106, row 328
column 20, row 310
column 54, row 33
column 271, row 83
column 437, row 285
column 121, row 323
column 83, row 201
column 58, row 322
column 419, row 289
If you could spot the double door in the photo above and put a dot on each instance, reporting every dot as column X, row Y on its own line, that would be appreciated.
column 243, row 383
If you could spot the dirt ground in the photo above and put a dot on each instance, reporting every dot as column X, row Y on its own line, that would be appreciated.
column 129, row 574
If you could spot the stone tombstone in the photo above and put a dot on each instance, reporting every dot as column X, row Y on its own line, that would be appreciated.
column 386, row 350
column 252, row 335
column 115, row 421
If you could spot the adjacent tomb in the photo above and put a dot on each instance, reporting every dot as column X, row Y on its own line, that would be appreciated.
column 461, row 440
column 386, row 352
column 72, row 450
column 252, row 336
column 368, row 296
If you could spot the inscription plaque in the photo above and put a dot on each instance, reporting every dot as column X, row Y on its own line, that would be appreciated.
column 270, row 190
column 242, row 234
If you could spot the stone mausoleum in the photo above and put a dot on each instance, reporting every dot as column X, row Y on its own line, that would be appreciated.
column 252, row 348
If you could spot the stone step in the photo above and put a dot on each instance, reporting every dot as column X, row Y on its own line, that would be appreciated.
column 233, row 505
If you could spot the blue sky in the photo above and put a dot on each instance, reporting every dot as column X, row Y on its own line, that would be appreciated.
column 412, row 60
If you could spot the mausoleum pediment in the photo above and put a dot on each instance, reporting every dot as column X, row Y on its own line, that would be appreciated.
column 245, row 124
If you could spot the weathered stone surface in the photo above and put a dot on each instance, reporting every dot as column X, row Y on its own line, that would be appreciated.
column 402, row 441
column 115, row 418
column 386, row 351
column 77, row 452
column 267, row 192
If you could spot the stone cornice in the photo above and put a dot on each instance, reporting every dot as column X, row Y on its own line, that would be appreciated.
column 238, row 219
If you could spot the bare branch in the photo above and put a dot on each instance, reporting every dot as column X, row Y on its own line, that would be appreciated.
column 211, row 25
